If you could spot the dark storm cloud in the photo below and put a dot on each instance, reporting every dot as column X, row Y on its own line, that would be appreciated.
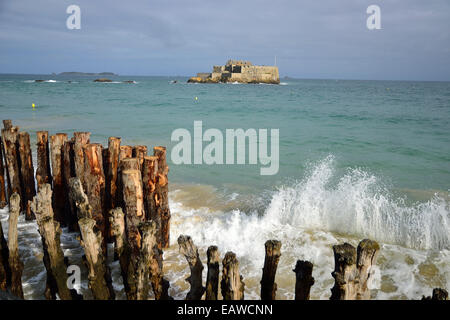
column 317, row 39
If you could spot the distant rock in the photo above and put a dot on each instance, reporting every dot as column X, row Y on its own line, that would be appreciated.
column 87, row 74
column 129, row 81
column 102, row 80
column 39, row 80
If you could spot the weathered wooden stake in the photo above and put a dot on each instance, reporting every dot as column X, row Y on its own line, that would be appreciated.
column 148, row 243
column 53, row 254
column 268, row 285
column 438, row 294
column 99, row 276
column 367, row 253
column 59, row 196
column 139, row 152
column 124, row 164
column 80, row 199
column 125, row 152
column 3, row 201
column 212, row 279
column 5, row 271
column 27, row 173
column 149, row 180
column 94, row 186
column 231, row 285
column 190, row 251
column 7, row 124
column 162, row 197
column 81, row 140
column 112, row 166
column 134, row 206
column 9, row 137
column 43, row 172
column 352, row 270
column 68, row 173
column 15, row 263
column 121, row 248
column 303, row 279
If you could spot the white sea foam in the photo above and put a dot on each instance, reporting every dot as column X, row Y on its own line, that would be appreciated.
column 312, row 215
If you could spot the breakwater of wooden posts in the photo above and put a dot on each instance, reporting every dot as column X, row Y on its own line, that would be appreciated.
column 119, row 194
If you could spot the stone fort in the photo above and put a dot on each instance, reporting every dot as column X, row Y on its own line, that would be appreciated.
column 239, row 71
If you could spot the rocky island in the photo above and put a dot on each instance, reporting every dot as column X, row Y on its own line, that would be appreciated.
column 239, row 71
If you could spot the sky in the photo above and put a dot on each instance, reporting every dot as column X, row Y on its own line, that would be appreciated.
column 325, row 39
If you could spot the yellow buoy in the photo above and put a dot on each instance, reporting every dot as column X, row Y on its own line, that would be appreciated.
column 196, row 98
column 33, row 105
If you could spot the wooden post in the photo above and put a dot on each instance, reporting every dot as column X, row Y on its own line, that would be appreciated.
column 231, row 286
column 43, row 173
column 190, row 251
column 27, row 173
column 125, row 152
column 53, row 254
column 93, row 182
column 3, row 201
column 162, row 197
column 81, row 139
column 5, row 271
column 15, row 263
column 9, row 137
column 59, row 196
column 80, row 199
column 212, row 279
column 149, row 179
column 353, row 270
column 367, row 253
column 268, row 285
column 124, row 164
column 112, row 166
column 344, row 273
column 438, row 294
column 139, row 152
column 7, row 124
column 134, row 207
column 68, row 173
column 99, row 277
column 148, row 231
column 134, row 216
column 121, row 247
column 303, row 279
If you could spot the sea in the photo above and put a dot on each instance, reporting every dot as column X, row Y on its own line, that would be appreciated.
column 357, row 159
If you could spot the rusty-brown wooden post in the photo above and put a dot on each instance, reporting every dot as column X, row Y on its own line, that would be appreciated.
column 149, row 180
column 27, row 173
column 125, row 152
column 59, row 196
column 68, row 173
column 94, row 185
column 162, row 196
column 43, row 171
column 111, row 173
column 139, row 152
column 81, row 139
column 9, row 137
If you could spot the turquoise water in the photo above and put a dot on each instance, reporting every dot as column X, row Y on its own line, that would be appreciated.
column 399, row 131
column 357, row 159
